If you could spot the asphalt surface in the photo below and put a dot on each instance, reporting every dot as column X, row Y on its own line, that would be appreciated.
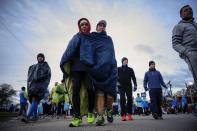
column 180, row 122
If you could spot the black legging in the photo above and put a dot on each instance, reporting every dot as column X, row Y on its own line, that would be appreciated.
column 77, row 78
column 128, row 91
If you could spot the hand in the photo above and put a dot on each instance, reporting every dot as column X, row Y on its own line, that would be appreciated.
column 135, row 88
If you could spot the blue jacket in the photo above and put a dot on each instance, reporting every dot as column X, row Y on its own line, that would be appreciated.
column 153, row 79
column 99, row 56
column 23, row 97
column 72, row 54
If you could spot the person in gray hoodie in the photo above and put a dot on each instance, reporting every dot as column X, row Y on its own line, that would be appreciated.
column 184, row 40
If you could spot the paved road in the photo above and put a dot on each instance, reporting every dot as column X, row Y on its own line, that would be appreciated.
column 180, row 122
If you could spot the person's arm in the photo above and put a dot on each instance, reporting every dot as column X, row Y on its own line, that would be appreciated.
column 114, row 64
column 145, row 81
column 25, row 95
column 133, row 79
column 30, row 77
column 177, row 38
column 161, row 80
column 70, row 51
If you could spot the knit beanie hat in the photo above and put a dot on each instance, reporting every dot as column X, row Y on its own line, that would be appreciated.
column 123, row 59
column 151, row 62
column 102, row 22
column 41, row 55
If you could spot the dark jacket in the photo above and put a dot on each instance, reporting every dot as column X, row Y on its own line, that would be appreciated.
column 125, row 74
column 153, row 79
column 97, row 53
column 39, row 76
column 72, row 54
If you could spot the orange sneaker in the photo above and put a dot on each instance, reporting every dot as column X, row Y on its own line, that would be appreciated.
column 124, row 118
column 129, row 116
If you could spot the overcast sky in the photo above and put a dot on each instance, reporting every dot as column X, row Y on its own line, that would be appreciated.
column 141, row 30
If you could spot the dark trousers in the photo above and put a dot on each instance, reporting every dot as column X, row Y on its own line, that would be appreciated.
column 139, row 110
column 184, row 108
column 60, row 108
column 77, row 78
column 146, row 110
column 156, row 100
column 23, row 109
column 48, row 109
column 125, row 108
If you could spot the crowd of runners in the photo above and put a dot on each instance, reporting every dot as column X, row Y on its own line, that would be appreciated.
column 91, row 79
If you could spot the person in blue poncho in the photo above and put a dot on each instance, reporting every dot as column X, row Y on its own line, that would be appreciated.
column 99, row 56
column 102, row 95
column 97, row 53
column 78, row 73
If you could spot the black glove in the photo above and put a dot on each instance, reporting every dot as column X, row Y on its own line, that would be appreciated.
column 135, row 88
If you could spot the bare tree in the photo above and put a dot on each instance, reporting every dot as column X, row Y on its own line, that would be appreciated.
column 6, row 92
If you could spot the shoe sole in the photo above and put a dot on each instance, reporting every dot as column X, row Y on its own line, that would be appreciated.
column 155, row 116
column 100, row 124
column 24, row 121
column 110, row 120
column 130, row 119
column 71, row 125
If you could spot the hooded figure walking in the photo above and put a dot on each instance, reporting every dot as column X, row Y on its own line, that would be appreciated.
column 78, row 74
column 39, row 76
